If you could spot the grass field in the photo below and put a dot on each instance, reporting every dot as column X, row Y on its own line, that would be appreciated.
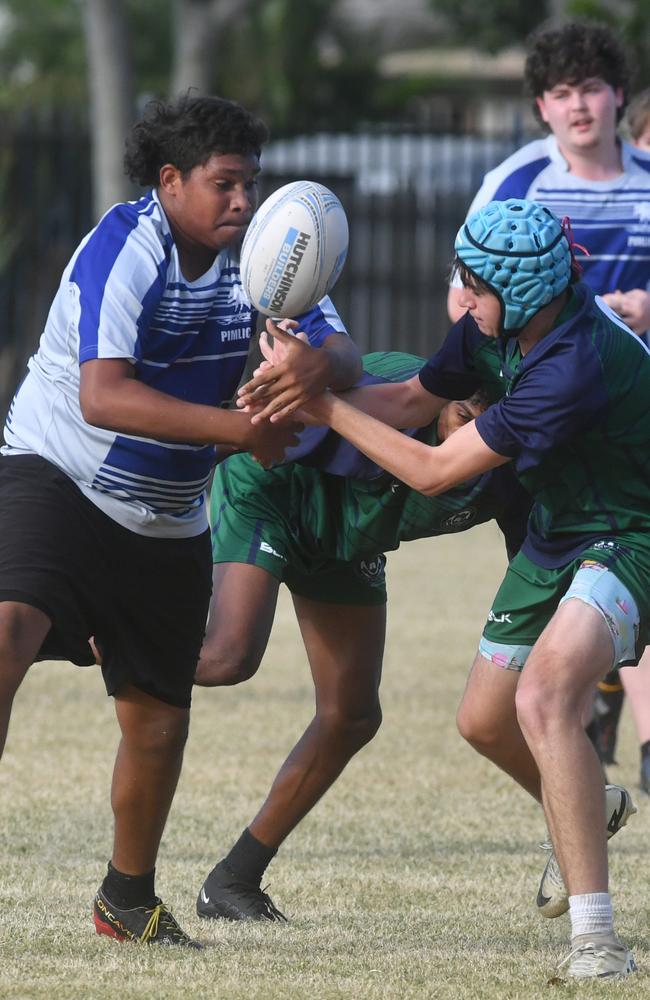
column 414, row 878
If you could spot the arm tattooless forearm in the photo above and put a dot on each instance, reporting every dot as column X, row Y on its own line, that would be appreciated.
column 429, row 470
column 112, row 398
column 398, row 404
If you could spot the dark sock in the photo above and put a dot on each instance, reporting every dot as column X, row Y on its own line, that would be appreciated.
column 129, row 891
column 645, row 748
column 249, row 857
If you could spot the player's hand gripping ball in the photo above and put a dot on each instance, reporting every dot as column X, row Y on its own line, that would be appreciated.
column 294, row 249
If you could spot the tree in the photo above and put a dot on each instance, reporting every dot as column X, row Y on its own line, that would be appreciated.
column 197, row 28
column 490, row 26
column 631, row 19
column 110, row 81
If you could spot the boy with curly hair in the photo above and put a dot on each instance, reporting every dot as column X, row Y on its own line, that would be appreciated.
column 110, row 442
column 579, row 78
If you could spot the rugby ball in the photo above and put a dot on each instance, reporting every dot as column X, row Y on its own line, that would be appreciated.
column 294, row 249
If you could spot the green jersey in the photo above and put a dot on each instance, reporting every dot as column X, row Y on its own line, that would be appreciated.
column 575, row 419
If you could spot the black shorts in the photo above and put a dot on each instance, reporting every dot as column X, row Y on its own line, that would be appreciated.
column 144, row 599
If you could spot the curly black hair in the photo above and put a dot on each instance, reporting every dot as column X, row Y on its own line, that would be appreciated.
column 186, row 133
column 573, row 52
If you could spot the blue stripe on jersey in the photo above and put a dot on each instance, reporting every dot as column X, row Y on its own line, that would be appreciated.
column 321, row 321
column 517, row 184
column 207, row 379
column 589, row 194
column 94, row 264
column 643, row 163
column 180, row 471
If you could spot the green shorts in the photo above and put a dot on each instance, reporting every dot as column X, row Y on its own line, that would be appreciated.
column 258, row 518
column 611, row 576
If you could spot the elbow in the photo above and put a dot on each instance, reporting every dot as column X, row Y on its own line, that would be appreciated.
column 95, row 409
column 430, row 482
column 431, row 489
column 344, row 360
column 347, row 373
column 91, row 408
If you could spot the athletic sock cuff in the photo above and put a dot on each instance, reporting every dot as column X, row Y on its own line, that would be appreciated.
column 249, row 858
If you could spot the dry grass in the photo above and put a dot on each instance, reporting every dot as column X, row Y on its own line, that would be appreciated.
column 413, row 878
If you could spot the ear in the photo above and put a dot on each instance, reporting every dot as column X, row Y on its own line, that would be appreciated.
column 619, row 96
column 541, row 107
column 170, row 179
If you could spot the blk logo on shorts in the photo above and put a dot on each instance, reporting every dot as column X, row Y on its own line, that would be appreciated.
column 499, row 619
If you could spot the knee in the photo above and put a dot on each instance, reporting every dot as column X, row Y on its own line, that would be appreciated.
column 481, row 732
column 353, row 730
column 222, row 667
column 162, row 736
column 21, row 634
column 538, row 710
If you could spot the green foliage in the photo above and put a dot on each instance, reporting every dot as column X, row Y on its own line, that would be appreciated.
column 631, row 18
column 490, row 26
column 42, row 54
column 298, row 66
column 293, row 62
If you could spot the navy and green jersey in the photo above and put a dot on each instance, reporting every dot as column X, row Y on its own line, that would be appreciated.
column 574, row 418
column 301, row 516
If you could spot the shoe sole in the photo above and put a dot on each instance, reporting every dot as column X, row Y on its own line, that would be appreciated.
column 106, row 930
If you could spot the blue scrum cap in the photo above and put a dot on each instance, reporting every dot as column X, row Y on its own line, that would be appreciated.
column 520, row 250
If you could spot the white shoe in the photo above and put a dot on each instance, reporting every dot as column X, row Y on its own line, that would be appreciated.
column 552, row 897
column 598, row 956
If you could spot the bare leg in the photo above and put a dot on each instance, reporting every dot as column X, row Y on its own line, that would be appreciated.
column 241, row 614
column 345, row 648
column 22, row 631
column 573, row 652
column 487, row 718
column 146, row 772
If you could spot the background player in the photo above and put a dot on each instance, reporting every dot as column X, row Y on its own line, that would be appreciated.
column 578, row 76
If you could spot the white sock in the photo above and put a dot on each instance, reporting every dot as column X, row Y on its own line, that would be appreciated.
column 591, row 913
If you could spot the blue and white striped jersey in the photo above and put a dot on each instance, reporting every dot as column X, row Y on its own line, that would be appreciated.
column 123, row 296
column 611, row 219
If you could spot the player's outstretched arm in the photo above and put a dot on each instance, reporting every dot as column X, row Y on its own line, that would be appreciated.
column 400, row 404
column 429, row 470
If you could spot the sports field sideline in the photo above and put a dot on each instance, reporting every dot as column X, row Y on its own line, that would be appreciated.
column 414, row 877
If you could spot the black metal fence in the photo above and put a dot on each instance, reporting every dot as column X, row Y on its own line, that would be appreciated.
column 405, row 196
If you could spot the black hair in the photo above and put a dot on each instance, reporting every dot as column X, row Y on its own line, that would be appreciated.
column 574, row 52
column 186, row 133
column 481, row 397
column 471, row 280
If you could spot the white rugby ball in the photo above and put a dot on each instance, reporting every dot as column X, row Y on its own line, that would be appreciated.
column 294, row 249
